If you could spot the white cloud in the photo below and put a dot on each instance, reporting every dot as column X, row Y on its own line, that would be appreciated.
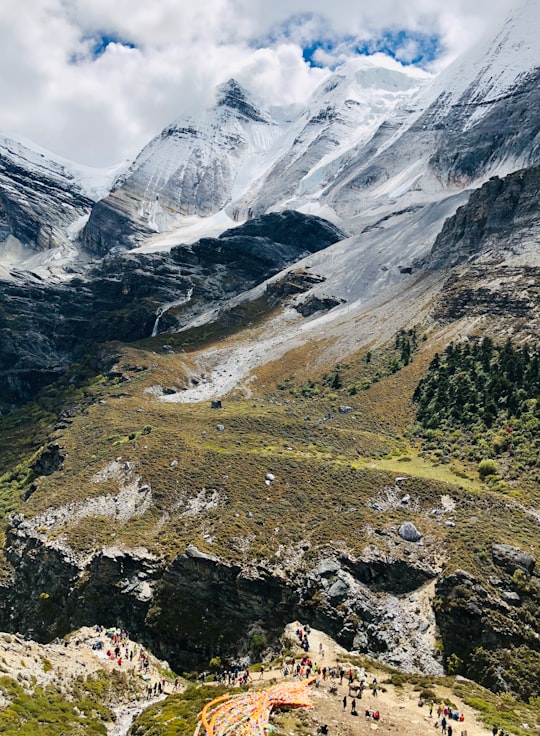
column 103, row 110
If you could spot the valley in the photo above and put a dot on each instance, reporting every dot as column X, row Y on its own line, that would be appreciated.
column 282, row 366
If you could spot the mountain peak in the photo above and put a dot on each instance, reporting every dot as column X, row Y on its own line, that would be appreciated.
column 232, row 95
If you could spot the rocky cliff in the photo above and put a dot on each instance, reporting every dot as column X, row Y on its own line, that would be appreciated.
column 198, row 606
column 500, row 216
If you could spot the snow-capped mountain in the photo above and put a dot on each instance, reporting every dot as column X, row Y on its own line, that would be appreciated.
column 476, row 119
column 384, row 152
column 375, row 137
column 44, row 203
column 245, row 160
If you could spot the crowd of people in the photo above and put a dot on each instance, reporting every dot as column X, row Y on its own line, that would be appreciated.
column 116, row 645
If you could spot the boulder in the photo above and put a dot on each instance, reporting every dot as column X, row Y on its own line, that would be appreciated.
column 409, row 532
column 512, row 558
column 511, row 597
column 327, row 567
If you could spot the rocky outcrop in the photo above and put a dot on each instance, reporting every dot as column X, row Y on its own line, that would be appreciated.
column 502, row 214
column 314, row 304
column 49, row 460
column 512, row 558
column 198, row 606
column 483, row 624
column 503, row 291
column 53, row 589
column 45, row 326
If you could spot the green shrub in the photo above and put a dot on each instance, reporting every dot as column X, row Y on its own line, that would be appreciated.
column 486, row 468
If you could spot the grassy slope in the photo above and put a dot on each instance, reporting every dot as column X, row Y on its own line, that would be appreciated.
column 329, row 465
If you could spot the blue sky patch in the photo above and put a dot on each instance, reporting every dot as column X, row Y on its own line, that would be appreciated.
column 100, row 41
column 408, row 47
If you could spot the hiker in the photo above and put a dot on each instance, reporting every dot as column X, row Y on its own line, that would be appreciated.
column 443, row 724
column 344, row 702
column 353, row 707
column 449, row 730
column 376, row 715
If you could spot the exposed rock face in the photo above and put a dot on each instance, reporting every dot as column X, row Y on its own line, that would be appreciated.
column 199, row 606
column 233, row 96
column 507, row 132
column 49, row 460
column 512, row 558
column 502, row 213
column 496, row 289
column 479, row 625
column 39, row 199
column 60, row 588
column 492, row 245
column 120, row 297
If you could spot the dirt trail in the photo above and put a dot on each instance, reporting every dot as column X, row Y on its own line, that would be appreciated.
column 62, row 662
column 398, row 706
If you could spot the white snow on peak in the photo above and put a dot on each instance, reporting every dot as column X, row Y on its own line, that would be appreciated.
column 381, row 70
column 509, row 49
column 92, row 182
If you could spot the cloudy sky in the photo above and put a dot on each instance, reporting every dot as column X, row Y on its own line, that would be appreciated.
column 94, row 80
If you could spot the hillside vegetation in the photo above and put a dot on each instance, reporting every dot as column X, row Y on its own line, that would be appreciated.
column 481, row 402
column 334, row 442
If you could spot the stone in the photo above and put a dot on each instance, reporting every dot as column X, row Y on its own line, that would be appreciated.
column 338, row 589
column 409, row 532
column 220, row 427
column 327, row 567
column 215, row 404
column 345, row 409
column 511, row 597
column 512, row 558
column 270, row 477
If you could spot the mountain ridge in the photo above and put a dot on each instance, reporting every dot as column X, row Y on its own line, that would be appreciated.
column 240, row 446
